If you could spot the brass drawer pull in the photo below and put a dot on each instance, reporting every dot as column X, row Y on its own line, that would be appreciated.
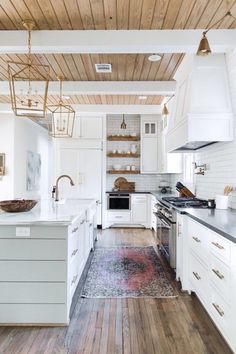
column 196, row 239
column 218, row 245
column 75, row 229
column 219, row 275
column 218, row 309
column 197, row 276
column 74, row 279
column 74, row 252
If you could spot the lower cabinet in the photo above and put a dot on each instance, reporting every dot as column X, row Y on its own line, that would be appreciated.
column 139, row 213
column 210, row 266
column 39, row 274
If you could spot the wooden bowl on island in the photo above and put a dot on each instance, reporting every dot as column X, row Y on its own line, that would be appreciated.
column 17, row 205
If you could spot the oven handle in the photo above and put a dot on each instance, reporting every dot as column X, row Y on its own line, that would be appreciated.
column 164, row 220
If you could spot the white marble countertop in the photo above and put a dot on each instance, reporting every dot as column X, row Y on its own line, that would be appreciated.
column 47, row 212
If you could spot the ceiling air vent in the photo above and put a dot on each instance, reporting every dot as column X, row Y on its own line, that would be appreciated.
column 103, row 68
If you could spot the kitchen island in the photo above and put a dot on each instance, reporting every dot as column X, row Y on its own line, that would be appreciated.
column 42, row 255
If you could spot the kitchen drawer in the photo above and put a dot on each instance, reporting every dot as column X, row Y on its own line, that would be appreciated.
column 75, row 271
column 220, row 247
column 57, row 232
column 220, row 276
column 33, row 271
column 198, row 277
column 32, row 293
column 119, row 217
column 31, row 249
column 33, row 313
column 199, row 239
column 219, row 310
column 136, row 199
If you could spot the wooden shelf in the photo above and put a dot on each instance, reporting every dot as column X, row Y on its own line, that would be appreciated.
column 123, row 172
column 123, row 138
column 110, row 154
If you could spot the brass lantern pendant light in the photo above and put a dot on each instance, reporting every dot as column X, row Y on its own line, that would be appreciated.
column 61, row 117
column 204, row 47
column 123, row 124
column 25, row 100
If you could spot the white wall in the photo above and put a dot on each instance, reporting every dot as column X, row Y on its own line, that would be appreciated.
column 7, row 147
column 29, row 136
column 220, row 157
column 17, row 136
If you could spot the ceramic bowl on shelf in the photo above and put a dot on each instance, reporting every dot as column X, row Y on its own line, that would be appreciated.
column 116, row 167
column 17, row 205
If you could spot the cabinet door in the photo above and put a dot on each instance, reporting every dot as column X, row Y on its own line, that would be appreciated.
column 90, row 176
column 149, row 160
column 89, row 127
column 139, row 209
column 68, row 165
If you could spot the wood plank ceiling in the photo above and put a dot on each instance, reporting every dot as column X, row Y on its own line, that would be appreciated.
column 116, row 14
column 81, row 67
column 111, row 15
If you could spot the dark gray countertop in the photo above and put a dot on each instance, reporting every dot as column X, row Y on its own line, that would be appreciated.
column 221, row 221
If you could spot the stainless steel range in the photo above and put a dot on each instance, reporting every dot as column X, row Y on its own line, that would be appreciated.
column 166, row 223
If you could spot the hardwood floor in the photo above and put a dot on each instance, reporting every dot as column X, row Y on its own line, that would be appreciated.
column 128, row 326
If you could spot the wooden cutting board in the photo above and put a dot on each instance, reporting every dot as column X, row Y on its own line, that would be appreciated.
column 127, row 186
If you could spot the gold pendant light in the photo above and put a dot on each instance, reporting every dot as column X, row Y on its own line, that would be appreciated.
column 61, row 117
column 204, row 47
column 123, row 124
column 165, row 112
column 25, row 100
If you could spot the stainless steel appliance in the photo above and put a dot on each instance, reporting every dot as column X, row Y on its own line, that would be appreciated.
column 118, row 201
column 166, row 223
column 166, row 232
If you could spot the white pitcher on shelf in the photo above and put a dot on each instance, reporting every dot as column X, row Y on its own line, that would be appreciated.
column 133, row 149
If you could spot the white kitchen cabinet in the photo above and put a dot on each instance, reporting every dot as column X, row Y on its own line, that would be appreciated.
column 85, row 168
column 88, row 127
column 208, row 259
column 149, row 144
column 39, row 274
column 149, row 159
column 139, row 209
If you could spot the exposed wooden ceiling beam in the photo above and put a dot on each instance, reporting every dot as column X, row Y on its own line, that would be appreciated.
column 163, row 88
column 126, row 41
column 106, row 109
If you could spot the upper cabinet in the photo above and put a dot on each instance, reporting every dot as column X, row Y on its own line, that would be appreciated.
column 154, row 157
column 149, row 144
column 202, row 111
column 89, row 127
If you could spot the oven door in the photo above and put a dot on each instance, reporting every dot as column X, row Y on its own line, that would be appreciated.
column 166, row 238
column 118, row 202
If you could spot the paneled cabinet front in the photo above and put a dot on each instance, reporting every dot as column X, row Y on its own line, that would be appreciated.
column 149, row 144
column 210, row 265
column 88, row 127
column 85, row 168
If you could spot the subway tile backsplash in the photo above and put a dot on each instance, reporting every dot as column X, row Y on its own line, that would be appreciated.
column 220, row 158
column 142, row 182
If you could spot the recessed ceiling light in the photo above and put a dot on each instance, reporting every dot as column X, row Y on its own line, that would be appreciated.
column 142, row 97
column 154, row 57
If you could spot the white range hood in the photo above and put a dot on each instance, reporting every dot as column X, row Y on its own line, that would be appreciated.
column 202, row 112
